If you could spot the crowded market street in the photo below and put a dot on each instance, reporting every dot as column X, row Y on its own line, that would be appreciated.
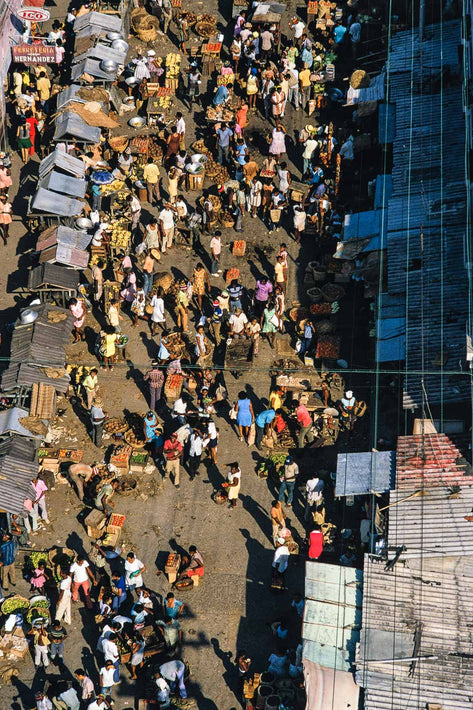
column 184, row 344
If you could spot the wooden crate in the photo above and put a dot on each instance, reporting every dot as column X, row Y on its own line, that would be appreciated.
column 171, row 84
column 239, row 247
column 196, row 181
column 231, row 274
column 172, row 566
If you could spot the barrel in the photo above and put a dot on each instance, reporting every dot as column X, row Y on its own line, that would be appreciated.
column 264, row 692
column 272, row 702
column 314, row 294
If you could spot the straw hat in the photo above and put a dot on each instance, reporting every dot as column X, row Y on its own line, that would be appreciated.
column 98, row 401
column 156, row 254
column 310, row 128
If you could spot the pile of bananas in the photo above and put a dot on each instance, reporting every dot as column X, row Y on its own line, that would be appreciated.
column 120, row 237
column 173, row 65
column 164, row 101
column 112, row 187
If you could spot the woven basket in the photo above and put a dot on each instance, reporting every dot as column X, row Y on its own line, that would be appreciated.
column 360, row 79
column 324, row 327
column 314, row 294
column 332, row 292
column 147, row 35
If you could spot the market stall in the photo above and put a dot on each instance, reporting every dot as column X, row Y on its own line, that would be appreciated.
column 54, row 283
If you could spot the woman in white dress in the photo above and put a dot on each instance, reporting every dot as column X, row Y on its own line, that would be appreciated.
column 255, row 197
column 141, row 68
column 278, row 142
column 158, row 315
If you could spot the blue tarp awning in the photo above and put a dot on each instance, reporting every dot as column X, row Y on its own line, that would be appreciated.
column 383, row 191
column 387, row 123
column 391, row 339
column 361, row 473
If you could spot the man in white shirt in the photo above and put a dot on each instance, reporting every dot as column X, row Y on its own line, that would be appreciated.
column 107, row 678
column 196, row 443
column 134, row 569
column 314, row 495
column 135, row 209
column 163, row 690
column 181, row 129
column 166, row 225
column 237, row 323
column 80, row 574
column 298, row 28
column 102, row 703
column 281, row 556
column 173, row 672
column 179, row 411
column 110, row 648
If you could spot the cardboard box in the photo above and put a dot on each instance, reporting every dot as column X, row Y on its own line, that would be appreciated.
column 95, row 522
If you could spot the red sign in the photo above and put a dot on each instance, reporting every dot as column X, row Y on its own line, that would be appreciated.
column 34, row 14
column 34, row 54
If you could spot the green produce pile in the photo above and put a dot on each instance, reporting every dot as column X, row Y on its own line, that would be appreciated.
column 138, row 458
column 15, row 604
column 38, row 612
column 35, row 558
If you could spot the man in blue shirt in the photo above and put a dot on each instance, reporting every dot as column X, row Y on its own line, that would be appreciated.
column 221, row 95
column 7, row 561
column 339, row 32
column 118, row 590
column 224, row 135
column 263, row 423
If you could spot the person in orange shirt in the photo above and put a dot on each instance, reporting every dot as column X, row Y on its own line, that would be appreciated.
column 242, row 117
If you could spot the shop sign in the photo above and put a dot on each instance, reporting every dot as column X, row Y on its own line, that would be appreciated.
column 34, row 54
column 34, row 14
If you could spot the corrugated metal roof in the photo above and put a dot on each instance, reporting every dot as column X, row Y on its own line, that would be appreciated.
column 437, row 602
column 62, row 160
column 64, row 184
column 92, row 67
column 56, row 204
column 61, row 254
column 42, row 342
column 70, row 124
column 430, row 460
column 53, row 275
column 364, row 472
column 431, row 523
column 25, row 375
column 332, row 614
column 19, row 447
column 440, row 47
column 10, row 423
column 18, row 466
column 101, row 52
column 429, row 198
column 63, row 235
column 101, row 21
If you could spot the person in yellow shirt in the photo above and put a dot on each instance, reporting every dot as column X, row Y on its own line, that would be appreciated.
column 304, row 85
column 43, row 86
column 151, row 177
